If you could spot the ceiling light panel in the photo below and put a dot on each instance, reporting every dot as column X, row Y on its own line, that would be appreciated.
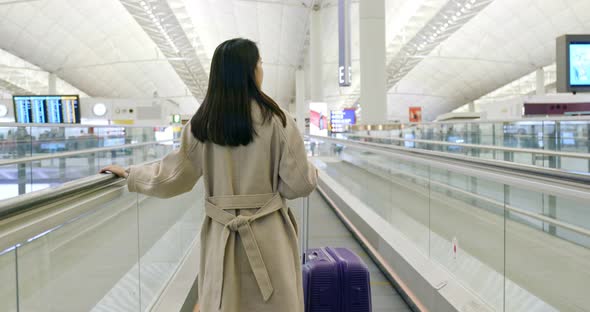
column 410, row 18
column 450, row 18
column 168, row 25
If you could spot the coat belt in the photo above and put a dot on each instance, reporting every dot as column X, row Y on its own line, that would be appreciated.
column 240, row 224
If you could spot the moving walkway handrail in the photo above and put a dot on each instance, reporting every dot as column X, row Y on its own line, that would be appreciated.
column 481, row 146
column 480, row 121
column 536, row 216
column 42, row 125
column 538, row 171
column 12, row 206
column 548, row 180
column 29, row 201
column 80, row 152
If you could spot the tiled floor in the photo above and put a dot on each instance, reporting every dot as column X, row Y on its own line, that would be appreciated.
column 325, row 229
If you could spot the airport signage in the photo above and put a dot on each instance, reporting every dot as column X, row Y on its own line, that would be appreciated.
column 340, row 119
column 344, row 38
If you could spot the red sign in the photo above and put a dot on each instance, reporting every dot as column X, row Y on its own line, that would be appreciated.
column 415, row 114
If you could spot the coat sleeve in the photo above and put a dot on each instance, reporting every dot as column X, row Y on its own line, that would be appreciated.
column 297, row 177
column 173, row 175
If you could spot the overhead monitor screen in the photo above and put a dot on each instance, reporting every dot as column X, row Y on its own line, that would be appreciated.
column 23, row 110
column 47, row 109
column 340, row 119
column 39, row 112
column 579, row 63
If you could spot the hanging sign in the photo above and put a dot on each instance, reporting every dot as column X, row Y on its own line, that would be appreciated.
column 344, row 38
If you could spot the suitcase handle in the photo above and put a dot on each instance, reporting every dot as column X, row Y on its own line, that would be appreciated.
column 311, row 256
column 304, row 228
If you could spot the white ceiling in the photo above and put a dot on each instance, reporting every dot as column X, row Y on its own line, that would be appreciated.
column 98, row 47
column 507, row 40
column 95, row 45
column 278, row 26
column 102, row 50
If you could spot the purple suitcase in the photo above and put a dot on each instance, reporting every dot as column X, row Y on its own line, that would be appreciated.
column 335, row 280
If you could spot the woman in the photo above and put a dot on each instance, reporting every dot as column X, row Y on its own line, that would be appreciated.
column 252, row 158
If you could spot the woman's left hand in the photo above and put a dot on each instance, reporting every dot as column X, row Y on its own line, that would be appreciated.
column 117, row 170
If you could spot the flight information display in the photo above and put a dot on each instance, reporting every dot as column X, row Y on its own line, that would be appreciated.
column 54, row 110
column 340, row 119
column 39, row 113
column 22, row 110
column 579, row 64
column 47, row 108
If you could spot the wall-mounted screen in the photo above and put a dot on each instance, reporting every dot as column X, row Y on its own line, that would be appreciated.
column 23, row 110
column 579, row 59
column 47, row 109
column 340, row 119
column 573, row 63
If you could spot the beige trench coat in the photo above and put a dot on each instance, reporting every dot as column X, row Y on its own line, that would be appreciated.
column 249, row 249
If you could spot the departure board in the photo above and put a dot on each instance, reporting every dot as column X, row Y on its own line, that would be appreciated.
column 39, row 113
column 22, row 109
column 71, row 109
column 54, row 110
column 47, row 109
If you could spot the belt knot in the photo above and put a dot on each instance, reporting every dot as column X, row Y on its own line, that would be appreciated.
column 238, row 222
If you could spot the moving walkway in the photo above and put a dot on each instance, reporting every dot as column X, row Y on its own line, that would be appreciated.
column 90, row 245
column 448, row 230
column 462, row 233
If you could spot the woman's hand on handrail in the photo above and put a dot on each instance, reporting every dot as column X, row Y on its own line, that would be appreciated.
column 116, row 170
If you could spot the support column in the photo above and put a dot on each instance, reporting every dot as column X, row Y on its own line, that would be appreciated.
column 52, row 89
column 52, row 84
column 372, row 56
column 300, row 107
column 316, row 63
column 471, row 107
column 540, row 81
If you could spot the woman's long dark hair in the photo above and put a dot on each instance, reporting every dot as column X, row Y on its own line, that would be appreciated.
column 224, row 117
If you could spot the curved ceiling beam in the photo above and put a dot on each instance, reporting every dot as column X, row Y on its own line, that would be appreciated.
column 14, row 89
column 445, row 23
column 448, row 20
column 161, row 24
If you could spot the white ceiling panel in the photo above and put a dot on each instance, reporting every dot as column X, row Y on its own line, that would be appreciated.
column 100, row 48
column 96, row 46
column 507, row 40
column 270, row 18
column 271, row 80
column 246, row 15
column 278, row 26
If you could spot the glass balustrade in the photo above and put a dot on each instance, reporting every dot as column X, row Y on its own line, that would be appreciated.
column 495, row 140
column 21, row 142
column 117, row 253
column 517, row 247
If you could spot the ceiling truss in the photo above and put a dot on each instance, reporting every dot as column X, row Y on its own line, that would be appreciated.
column 445, row 23
column 11, row 88
column 161, row 24
column 450, row 18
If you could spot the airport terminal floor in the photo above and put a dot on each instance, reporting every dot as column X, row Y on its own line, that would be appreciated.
column 451, row 140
